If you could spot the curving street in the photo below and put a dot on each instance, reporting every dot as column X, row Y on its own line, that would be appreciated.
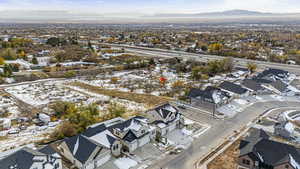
column 220, row 131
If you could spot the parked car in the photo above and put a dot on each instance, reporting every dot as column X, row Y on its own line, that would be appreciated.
column 14, row 131
column 23, row 127
column 176, row 151
column 181, row 107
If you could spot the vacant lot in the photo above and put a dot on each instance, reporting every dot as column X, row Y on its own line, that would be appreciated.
column 148, row 99
column 228, row 159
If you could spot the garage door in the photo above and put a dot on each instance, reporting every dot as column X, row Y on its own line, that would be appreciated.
column 102, row 160
column 90, row 166
column 144, row 140
column 172, row 127
column 133, row 146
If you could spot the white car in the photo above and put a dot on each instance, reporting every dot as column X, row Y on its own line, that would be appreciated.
column 42, row 128
column 53, row 124
column 14, row 131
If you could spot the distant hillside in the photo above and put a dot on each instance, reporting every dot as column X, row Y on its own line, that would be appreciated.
column 230, row 13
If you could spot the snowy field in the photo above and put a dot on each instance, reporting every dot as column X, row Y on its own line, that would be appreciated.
column 39, row 94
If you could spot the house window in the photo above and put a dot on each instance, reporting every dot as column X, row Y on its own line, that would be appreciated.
column 115, row 147
column 247, row 162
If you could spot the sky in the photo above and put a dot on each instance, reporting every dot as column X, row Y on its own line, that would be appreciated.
column 151, row 6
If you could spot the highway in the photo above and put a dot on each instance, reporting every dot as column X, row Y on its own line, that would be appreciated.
column 154, row 52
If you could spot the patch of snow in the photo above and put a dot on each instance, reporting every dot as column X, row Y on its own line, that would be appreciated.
column 260, row 157
column 102, row 138
column 76, row 146
column 294, row 163
column 125, row 163
column 186, row 132
column 289, row 127
column 188, row 121
column 241, row 101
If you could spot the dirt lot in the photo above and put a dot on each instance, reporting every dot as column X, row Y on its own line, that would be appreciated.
column 148, row 99
column 228, row 159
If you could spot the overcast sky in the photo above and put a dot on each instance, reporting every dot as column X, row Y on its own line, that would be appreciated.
column 151, row 6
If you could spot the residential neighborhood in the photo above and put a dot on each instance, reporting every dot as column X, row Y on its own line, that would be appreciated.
column 149, row 88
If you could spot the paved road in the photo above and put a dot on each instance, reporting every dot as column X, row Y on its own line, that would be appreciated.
column 200, row 57
column 220, row 130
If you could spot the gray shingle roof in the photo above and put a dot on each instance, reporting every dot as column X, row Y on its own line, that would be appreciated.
column 81, row 147
column 259, row 147
column 22, row 159
column 252, row 84
column 234, row 88
column 279, row 85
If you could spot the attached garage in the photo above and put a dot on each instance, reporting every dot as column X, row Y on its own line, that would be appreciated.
column 172, row 126
column 133, row 146
column 90, row 165
column 144, row 140
column 102, row 160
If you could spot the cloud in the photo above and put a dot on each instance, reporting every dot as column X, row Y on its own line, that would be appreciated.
column 264, row 5
column 152, row 6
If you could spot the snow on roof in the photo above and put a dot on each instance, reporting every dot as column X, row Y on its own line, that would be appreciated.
column 289, row 127
column 161, row 125
column 260, row 157
column 170, row 108
column 102, row 139
column 76, row 146
column 134, row 125
column 216, row 96
column 293, row 162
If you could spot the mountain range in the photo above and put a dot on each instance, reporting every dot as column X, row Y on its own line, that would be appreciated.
column 76, row 17
column 229, row 13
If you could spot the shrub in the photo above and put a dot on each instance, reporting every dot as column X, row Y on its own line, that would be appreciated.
column 70, row 74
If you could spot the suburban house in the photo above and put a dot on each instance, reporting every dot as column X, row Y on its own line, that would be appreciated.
column 133, row 133
column 27, row 158
column 257, row 151
column 233, row 89
column 276, row 74
column 210, row 98
column 44, row 61
column 84, row 153
column 122, row 136
column 165, row 118
column 98, row 143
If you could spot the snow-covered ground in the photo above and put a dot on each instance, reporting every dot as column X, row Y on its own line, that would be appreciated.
column 30, row 135
column 43, row 93
column 137, row 81
column 125, row 163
